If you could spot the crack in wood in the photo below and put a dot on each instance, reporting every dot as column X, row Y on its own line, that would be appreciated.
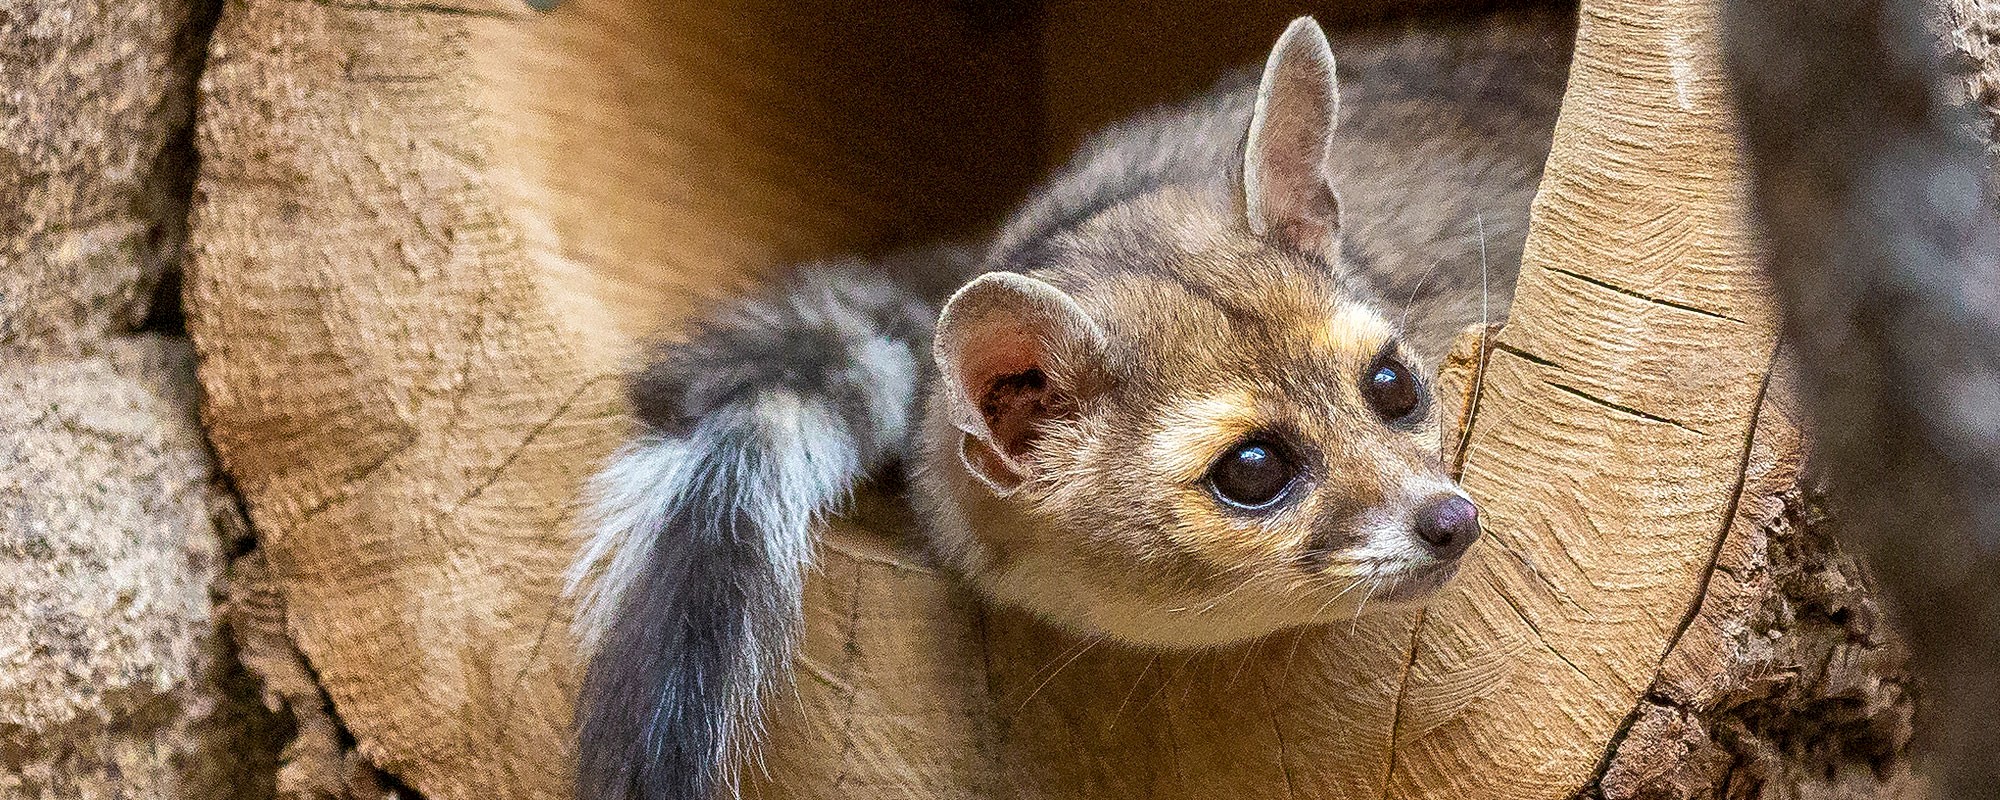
column 851, row 650
column 1624, row 729
column 1728, row 521
column 513, row 455
column 521, row 677
column 1634, row 293
column 1543, row 639
column 1402, row 692
column 1277, row 730
column 1555, row 592
column 345, row 490
column 1525, row 355
column 1621, row 407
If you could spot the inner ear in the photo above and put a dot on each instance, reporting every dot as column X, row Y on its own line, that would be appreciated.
column 1002, row 368
column 1014, row 404
column 1287, row 193
column 999, row 345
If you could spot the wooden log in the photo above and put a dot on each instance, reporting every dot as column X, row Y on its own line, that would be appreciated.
column 421, row 229
column 427, row 234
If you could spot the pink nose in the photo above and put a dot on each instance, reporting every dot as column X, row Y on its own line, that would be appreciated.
column 1448, row 525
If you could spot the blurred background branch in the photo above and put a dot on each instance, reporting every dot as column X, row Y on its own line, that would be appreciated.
column 1884, row 245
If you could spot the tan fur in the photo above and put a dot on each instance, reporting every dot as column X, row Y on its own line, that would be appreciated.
column 1354, row 328
column 1194, row 433
column 1117, row 534
column 1216, row 316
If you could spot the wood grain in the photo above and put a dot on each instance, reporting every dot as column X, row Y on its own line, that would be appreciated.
column 1610, row 440
column 427, row 234
column 387, row 389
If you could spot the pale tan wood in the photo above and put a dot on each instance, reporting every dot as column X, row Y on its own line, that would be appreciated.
column 387, row 391
column 427, row 236
column 1608, row 449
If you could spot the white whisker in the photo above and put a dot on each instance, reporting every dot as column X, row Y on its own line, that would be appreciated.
column 1485, row 331
column 1300, row 634
column 1136, row 683
column 1217, row 600
column 1248, row 651
column 1373, row 584
column 1484, row 292
column 1092, row 642
column 1403, row 321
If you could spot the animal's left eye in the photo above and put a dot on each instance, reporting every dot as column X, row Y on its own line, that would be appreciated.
column 1392, row 390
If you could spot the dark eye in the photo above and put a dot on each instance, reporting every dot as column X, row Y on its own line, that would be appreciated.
column 1252, row 474
column 1391, row 390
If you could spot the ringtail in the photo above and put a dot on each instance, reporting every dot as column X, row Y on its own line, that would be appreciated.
column 1180, row 399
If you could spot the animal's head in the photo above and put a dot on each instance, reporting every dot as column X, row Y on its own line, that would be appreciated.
column 1181, row 426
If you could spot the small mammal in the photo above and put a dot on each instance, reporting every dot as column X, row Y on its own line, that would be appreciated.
column 1180, row 399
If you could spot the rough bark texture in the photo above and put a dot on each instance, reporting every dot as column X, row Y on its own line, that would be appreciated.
column 1973, row 29
column 1885, row 248
column 1789, row 682
column 115, row 675
column 93, row 111
column 427, row 233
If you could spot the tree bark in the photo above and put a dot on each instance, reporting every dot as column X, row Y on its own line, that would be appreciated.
column 427, row 235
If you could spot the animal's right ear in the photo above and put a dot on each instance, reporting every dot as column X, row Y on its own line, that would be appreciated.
column 1010, row 350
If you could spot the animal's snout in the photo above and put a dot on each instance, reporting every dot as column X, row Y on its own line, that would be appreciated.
column 1447, row 526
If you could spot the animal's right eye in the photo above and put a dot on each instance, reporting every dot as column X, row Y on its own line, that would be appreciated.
column 1252, row 475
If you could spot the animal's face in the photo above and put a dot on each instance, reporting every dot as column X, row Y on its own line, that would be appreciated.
column 1259, row 428
column 1179, row 426
column 1243, row 446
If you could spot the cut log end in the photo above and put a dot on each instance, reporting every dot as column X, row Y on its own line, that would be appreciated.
column 399, row 205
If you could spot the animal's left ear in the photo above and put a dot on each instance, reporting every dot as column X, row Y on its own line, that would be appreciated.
column 1286, row 190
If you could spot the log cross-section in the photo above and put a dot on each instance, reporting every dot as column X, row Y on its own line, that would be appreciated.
column 419, row 233
column 399, row 294
column 387, row 386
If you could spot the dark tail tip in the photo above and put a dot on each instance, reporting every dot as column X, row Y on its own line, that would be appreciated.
column 652, row 719
column 670, row 701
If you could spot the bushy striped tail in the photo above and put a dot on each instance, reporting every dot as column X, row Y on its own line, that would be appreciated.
column 691, row 584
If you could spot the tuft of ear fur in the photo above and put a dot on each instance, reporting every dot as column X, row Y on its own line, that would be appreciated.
column 1003, row 344
column 1287, row 193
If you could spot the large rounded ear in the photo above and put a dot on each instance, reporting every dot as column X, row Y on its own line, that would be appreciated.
column 1008, row 351
column 1286, row 190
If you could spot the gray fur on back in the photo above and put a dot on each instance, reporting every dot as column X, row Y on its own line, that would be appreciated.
column 1442, row 133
